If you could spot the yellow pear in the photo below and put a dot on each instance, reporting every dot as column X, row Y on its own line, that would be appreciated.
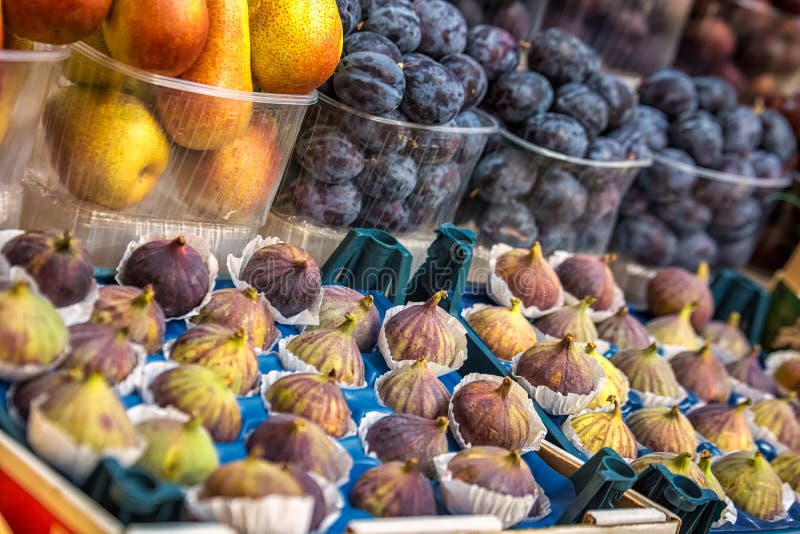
column 106, row 146
column 296, row 43
column 207, row 122
column 83, row 70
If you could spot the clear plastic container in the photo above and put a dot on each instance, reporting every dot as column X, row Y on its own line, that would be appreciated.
column 123, row 152
column 355, row 169
column 519, row 17
column 751, row 44
column 26, row 77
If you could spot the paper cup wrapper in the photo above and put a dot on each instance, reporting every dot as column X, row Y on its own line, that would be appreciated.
column 572, row 436
column 536, row 429
column 236, row 265
column 556, row 259
column 470, row 499
column 765, row 434
column 147, row 412
column 195, row 242
column 334, row 502
column 670, row 351
column 649, row 399
column 129, row 384
column 369, row 419
column 292, row 362
column 751, row 393
column 729, row 515
column 459, row 333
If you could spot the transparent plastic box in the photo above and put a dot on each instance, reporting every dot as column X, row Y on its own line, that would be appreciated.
column 26, row 76
column 123, row 152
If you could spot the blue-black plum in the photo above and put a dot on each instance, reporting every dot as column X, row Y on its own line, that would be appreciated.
column 371, row 42
column 505, row 174
column 562, row 57
column 472, row 77
column 714, row 94
column 328, row 155
column 331, row 205
column 391, row 177
column 700, row 135
column 397, row 20
column 509, row 223
column 558, row 197
column 369, row 81
column 494, row 48
column 434, row 95
column 670, row 91
column 557, row 132
column 741, row 129
column 444, row 30
column 520, row 94
column 619, row 96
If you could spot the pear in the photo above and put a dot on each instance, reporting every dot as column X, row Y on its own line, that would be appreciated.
column 209, row 122
column 54, row 21
column 106, row 146
column 296, row 44
column 81, row 69
column 160, row 36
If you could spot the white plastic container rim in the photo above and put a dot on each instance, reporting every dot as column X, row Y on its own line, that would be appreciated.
column 733, row 179
column 192, row 87
column 41, row 53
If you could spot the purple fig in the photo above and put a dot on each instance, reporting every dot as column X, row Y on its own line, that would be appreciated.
column 313, row 490
column 494, row 469
column 700, row 372
column 59, row 262
column 338, row 301
column 673, row 288
column 332, row 351
column 394, row 489
column 624, row 330
column 742, row 473
column 422, row 331
column 175, row 269
column 252, row 478
column 583, row 275
column 663, row 429
column 559, row 365
column 778, row 416
column 224, row 351
column 286, row 275
column 572, row 319
column 504, row 330
column 728, row 336
column 414, row 389
column 723, row 425
column 200, row 393
column 134, row 309
column 401, row 437
column 677, row 463
column 98, row 348
column 598, row 429
column 647, row 371
column 749, row 371
column 529, row 277
column 24, row 393
column 313, row 396
column 240, row 309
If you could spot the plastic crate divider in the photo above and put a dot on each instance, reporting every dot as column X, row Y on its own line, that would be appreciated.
column 733, row 292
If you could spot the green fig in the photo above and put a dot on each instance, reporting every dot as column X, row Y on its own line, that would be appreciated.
column 647, row 371
column 724, row 426
column 787, row 466
column 676, row 328
column 394, row 489
column 177, row 451
column 616, row 382
column 778, row 416
column 504, row 330
column 332, row 350
column 101, row 349
column 679, row 464
column 598, row 429
column 573, row 319
column 751, row 483
column 414, row 389
column 663, row 429
column 135, row 309
column 699, row 371
column 313, row 396
column 704, row 463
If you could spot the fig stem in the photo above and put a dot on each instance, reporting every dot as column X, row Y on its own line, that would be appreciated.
column 705, row 351
column 435, row 299
column 504, row 389
column 623, row 312
column 193, row 423
column 535, row 252
column 733, row 319
column 348, row 326
column 584, row 304
column 703, row 271
column 367, row 301
column 674, row 411
column 608, row 259
column 590, row 347
column 144, row 298
column 19, row 288
column 442, row 422
column 250, row 293
column 411, row 465
column 179, row 241
column 64, row 243
column 516, row 305
column 652, row 350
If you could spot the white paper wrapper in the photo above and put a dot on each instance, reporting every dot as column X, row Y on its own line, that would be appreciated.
column 459, row 332
column 273, row 376
column 277, row 514
column 195, row 242
column 670, row 351
column 775, row 360
column 147, row 412
column 572, row 436
column 462, row 498
column 334, row 502
column 537, row 430
column 556, row 259
column 60, row 450
column 237, row 263
column 554, row 402
column 723, row 355
column 131, row 382
column 751, row 393
column 649, row 399
column 729, row 515
column 292, row 362
column 369, row 419
column 15, row 373
column 499, row 292
column 149, row 373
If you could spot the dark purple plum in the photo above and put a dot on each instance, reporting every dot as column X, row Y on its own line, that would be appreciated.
column 371, row 42
column 735, row 164
column 369, row 81
column 699, row 135
column 646, row 240
column 444, row 30
column 331, row 205
column 558, row 197
column 494, row 48
column 601, row 205
column 603, row 149
column 436, row 184
column 562, row 57
column 350, row 13
column 653, row 124
column 741, row 129
column 694, row 249
column 635, row 201
column 685, row 216
column 736, row 221
column 472, row 10
column 434, row 95
column 510, row 223
column 554, row 237
column 663, row 182
column 766, row 164
column 557, row 132
column 378, row 137
column 328, row 155
column 736, row 253
column 471, row 144
column 391, row 177
column 670, row 91
column 518, row 95
column 714, row 94
column 368, row 5
column 633, row 142
column 472, row 77
column 515, row 18
column 397, row 20
column 778, row 136
column 504, row 175
column 389, row 216
column 434, row 146
column 618, row 95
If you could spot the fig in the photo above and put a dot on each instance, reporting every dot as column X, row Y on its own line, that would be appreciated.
column 663, row 429
column 616, row 382
column 494, row 469
column 401, row 437
column 600, row 428
column 422, row 331
column 624, row 330
column 750, row 482
column 787, row 467
column 727, row 336
column 573, row 319
column 676, row 328
column 647, row 371
column 678, row 463
column 394, row 489
column 251, row 478
column 723, row 425
column 504, row 330
column 414, row 389
column 787, row 376
column 286, row 275
column 237, row 309
column 89, row 413
column 200, row 393
column 583, row 275
column 24, row 393
column 748, row 370
column 134, row 309
column 332, row 351
column 178, row 451
column 175, row 269
column 490, row 414
column 778, row 416
column 286, row 438
column 704, row 463
column 529, row 277
column 338, row 301
column 672, row 288
column 559, row 365
column 58, row 262
column 98, row 348
column 313, row 396
column 700, row 372
column 33, row 337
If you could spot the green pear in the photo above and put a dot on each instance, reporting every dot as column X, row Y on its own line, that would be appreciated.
column 106, row 146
